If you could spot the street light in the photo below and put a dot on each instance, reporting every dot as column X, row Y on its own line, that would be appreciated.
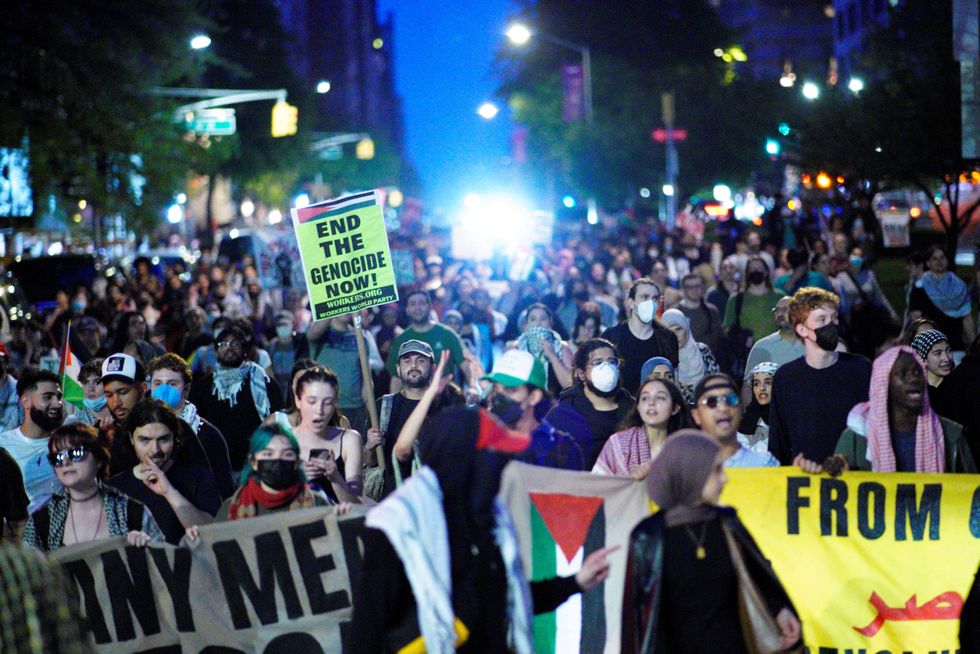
column 487, row 111
column 200, row 41
column 856, row 85
column 811, row 91
column 323, row 86
column 519, row 34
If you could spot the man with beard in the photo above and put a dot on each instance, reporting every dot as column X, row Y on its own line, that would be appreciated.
column 415, row 365
column 596, row 400
column 44, row 411
column 237, row 396
column 641, row 336
column 124, row 384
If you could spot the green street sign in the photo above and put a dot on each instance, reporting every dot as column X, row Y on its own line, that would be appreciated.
column 215, row 122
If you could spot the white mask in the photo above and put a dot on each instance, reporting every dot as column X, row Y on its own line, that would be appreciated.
column 284, row 331
column 605, row 376
column 646, row 309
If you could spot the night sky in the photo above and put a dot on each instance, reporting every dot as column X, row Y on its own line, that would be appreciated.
column 443, row 71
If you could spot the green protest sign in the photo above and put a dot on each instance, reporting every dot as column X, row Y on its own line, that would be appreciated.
column 346, row 259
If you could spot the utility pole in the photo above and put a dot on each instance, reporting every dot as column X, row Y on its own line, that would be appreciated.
column 667, row 109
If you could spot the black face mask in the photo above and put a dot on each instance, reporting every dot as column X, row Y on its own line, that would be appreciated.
column 509, row 411
column 47, row 421
column 757, row 277
column 827, row 336
column 277, row 474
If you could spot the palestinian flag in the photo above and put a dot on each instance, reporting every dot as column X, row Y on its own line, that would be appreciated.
column 71, row 367
column 561, row 517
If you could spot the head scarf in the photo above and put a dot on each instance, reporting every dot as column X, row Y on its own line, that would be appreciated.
column 690, row 365
column 754, row 411
column 949, row 293
column 923, row 342
column 678, row 475
column 652, row 363
column 930, row 447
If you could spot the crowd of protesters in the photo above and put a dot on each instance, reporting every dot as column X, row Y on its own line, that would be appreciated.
column 207, row 396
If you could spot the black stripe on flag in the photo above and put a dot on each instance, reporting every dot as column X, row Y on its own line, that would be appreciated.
column 593, row 637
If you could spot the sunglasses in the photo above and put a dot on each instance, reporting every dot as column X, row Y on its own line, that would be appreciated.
column 74, row 454
column 729, row 399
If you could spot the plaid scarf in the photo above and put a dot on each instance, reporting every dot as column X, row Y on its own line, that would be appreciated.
column 930, row 446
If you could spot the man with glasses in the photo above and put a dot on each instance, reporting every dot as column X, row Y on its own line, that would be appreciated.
column 705, row 318
column 44, row 411
column 641, row 336
column 594, row 406
column 237, row 395
column 718, row 412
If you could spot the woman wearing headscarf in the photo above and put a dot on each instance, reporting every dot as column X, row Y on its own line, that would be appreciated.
column 658, row 368
column 753, row 431
column 695, row 360
column 896, row 430
column 942, row 296
column 933, row 348
column 682, row 586
column 541, row 340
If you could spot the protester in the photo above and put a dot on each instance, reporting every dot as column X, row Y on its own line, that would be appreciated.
column 812, row 395
column 781, row 346
column 203, row 444
column 944, row 298
column 687, row 563
column 868, row 313
column 896, row 430
column 333, row 344
column 85, row 509
column 800, row 274
column 657, row 368
column 123, row 385
column 178, row 494
column 13, row 500
column 131, row 338
column 751, row 307
column 236, row 396
column 597, row 398
column 728, row 283
column 44, row 411
column 415, row 368
column 284, row 349
column 641, row 336
column 959, row 395
column 695, row 359
column 933, row 348
column 718, row 412
column 11, row 412
column 95, row 408
column 544, row 343
column 587, row 325
column 660, row 411
column 421, row 578
column 331, row 455
column 704, row 317
column 753, row 431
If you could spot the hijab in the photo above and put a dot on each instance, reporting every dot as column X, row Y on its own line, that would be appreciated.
column 690, row 365
column 948, row 292
column 678, row 475
column 754, row 411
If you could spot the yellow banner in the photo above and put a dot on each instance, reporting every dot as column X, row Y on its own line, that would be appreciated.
column 873, row 562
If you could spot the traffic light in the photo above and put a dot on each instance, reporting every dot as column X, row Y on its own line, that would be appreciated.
column 784, row 129
column 773, row 147
column 284, row 117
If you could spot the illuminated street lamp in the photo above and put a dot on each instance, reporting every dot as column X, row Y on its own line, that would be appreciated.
column 488, row 111
column 856, row 85
column 323, row 86
column 200, row 41
column 518, row 34
column 811, row 91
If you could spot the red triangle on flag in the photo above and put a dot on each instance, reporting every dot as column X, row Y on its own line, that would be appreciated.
column 567, row 517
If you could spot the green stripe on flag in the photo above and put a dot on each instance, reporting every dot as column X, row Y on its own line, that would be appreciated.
column 544, row 565
column 72, row 391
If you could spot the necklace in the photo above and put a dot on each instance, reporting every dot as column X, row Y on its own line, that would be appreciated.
column 71, row 516
column 698, row 542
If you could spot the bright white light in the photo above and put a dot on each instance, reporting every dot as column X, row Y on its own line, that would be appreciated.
column 248, row 208
column 487, row 110
column 518, row 34
column 472, row 200
column 301, row 201
column 200, row 41
column 722, row 193
column 181, row 198
column 811, row 91
column 233, row 233
column 593, row 215
column 56, row 248
column 323, row 86
column 787, row 81
column 494, row 218
column 275, row 217
column 568, row 201
column 175, row 213
column 668, row 190
column 644, row 192
column 856, row 85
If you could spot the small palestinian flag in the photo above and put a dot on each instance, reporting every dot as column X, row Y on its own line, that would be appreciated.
column 565, row 529
column 71, row 368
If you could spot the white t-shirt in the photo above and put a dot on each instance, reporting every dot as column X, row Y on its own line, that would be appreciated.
column 31, row 454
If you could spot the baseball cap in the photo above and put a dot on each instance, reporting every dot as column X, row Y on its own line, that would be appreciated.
column 122, row 367
column 87, row 324
column 518, row 367
column 415, row 346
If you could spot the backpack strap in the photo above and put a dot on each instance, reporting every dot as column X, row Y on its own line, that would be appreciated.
column 42, row 526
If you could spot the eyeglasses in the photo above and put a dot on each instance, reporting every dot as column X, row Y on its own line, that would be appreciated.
column 74, row 454
column 612, row 362
column 730, row 399
column 227, row 344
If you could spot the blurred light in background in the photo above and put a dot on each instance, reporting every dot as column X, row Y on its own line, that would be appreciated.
column 568, row 201
column 323, row 86
column 668, row 190
column 487, row 111
column 175, row 213
column 301, row 201
column 275, row 217
column 811, row 91
column 200, row 41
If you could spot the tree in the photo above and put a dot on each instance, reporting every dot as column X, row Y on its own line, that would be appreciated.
column 903, row 128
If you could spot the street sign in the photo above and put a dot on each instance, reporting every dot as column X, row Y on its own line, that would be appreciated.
column 660, row 134
column 216, row 121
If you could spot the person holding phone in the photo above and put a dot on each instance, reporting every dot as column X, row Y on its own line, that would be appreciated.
column 330, row 454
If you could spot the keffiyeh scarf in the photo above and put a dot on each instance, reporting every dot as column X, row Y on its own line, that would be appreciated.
column 228, row 383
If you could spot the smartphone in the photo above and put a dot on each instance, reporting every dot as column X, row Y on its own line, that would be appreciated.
column 321, row 453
